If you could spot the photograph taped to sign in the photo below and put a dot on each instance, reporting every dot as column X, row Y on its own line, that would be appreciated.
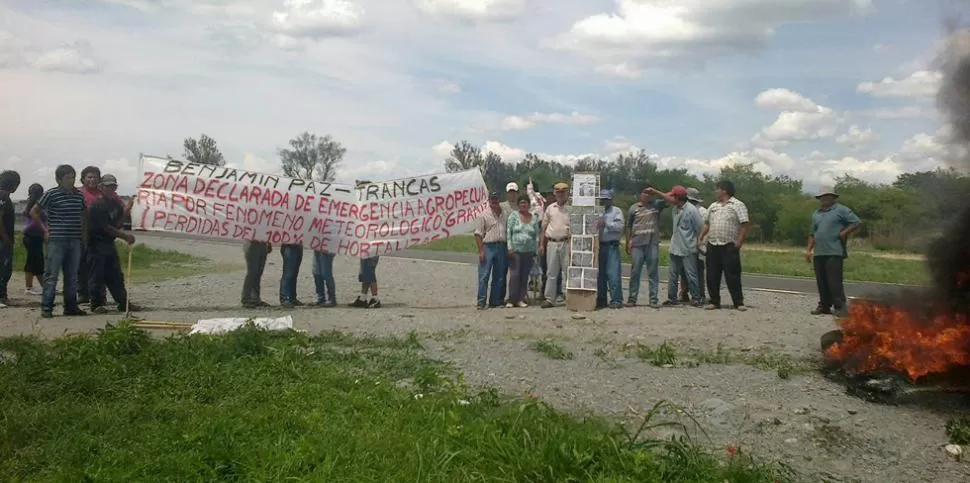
column 581, row 243
column 374, row 219
column 585, row 189
column 581, row 278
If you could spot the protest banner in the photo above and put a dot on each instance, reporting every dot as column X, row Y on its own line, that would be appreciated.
column 376, row 219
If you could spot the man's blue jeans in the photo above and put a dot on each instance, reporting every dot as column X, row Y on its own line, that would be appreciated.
column 608, row 276
column 292, row 258
column 687, row 265
column 63, row 256
column 494, row 267
column 648, row 255
column 323, row 277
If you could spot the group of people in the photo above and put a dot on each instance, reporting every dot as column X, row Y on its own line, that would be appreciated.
column 78, row 229
column 704, row 247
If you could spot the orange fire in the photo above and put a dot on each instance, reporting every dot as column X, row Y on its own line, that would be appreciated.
column 879, row 337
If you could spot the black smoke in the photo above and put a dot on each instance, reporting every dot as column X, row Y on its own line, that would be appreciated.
column 949, row 255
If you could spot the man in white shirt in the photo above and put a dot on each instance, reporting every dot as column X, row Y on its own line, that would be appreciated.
column 554, row 241
column 725, row 228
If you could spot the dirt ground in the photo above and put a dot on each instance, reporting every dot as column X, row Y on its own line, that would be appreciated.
column 806, row 420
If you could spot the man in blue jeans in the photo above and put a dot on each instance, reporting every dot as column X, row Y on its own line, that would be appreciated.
column 643, row 243
column 490, row 236
column 292, row 256
column 323, row 279
column 687, row 226
column 610, row 227
column 64, row 232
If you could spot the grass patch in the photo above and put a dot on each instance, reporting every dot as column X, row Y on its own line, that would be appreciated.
column 666, row 355
column 256, row 406
column 662, row 355
column 958, row 430
column 859, row 266
column 552, row 350
column 147, row 264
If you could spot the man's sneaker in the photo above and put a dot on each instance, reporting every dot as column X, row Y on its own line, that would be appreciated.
column 671, row 303
column 821, row 311
column 75, row 313
column 480, row 307
column 521, row 305
column 842, row 312
column 509, row 305
column 654, row 305
column 631, row 303
column 3, row 305
column 359, row 303
column 47, row 315
column 98, row 309
column 711, row 307
column 33, row 291
column 616, row 306
column 548, row 305
column 741, row 308
column 374, row 303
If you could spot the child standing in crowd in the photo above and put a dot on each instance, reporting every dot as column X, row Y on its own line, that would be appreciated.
column 66, row 213
column 9, row 182
column 34, row 243
column 368, row 281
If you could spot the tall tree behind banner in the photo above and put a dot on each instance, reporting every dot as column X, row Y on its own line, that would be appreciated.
column 203, row 151
column 312, row 157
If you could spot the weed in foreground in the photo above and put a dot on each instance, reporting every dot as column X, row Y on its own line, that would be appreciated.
column 552, row 350
column 958, row 430
column 260, row 406
column 662, row 355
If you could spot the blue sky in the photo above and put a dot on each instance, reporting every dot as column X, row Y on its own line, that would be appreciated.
column 808, row 88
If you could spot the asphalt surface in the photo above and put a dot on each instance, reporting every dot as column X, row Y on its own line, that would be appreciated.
column 757, row 282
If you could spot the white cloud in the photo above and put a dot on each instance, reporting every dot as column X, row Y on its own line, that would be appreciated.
column 642, row 31
column 622, row 70
column 785, row 100
column 314, row 19
column 74, row 58
column 856, row 138
column 473, row 10
column 919, row 84
column 520, row 123
column 446, row 86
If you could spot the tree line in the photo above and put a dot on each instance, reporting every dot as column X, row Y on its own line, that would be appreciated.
column 903, row 215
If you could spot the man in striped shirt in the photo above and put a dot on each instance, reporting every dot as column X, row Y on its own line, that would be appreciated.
column 64, row 232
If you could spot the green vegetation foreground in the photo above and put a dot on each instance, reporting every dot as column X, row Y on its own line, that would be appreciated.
column 788, row 263
column 255, row 406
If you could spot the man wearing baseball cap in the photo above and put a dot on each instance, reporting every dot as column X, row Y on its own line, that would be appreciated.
column 694, row 198
column 554, row 241
column 687, row 226
column 643, row 243
column 610, row 226
column 105, row 218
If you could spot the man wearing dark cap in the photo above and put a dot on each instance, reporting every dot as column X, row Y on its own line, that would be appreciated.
column 610, row 226
column 491, row 238
column 105, row 218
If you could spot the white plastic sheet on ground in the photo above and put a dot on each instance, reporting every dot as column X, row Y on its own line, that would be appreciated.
column 229, row 324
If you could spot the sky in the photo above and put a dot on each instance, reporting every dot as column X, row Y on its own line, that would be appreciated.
column 807, row 88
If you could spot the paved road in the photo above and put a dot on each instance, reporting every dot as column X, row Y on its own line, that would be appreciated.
column 761, row 283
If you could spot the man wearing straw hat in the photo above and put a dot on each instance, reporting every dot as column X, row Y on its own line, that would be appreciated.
column 105, row 218
column 832, row 223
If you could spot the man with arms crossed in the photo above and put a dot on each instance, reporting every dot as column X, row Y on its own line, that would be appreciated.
column 105, row 218
column 832, row 223
column 554, row 241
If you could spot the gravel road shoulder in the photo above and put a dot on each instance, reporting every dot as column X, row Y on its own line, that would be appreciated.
column 804, row 420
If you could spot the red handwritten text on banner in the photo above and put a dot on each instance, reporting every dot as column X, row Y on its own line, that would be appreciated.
column 376, row 219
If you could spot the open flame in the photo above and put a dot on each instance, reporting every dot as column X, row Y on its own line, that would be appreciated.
column 885, row 338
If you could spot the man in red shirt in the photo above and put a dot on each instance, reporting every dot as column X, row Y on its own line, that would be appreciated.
column 91, row 189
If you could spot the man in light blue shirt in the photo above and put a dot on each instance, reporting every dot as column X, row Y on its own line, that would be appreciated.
column 610, row 225
column 687, row 228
